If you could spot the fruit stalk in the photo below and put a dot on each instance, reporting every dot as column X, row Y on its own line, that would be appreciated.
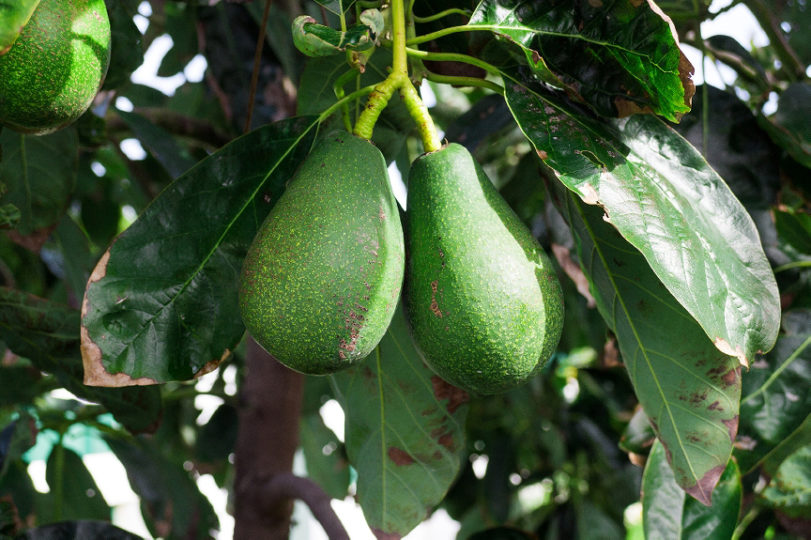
column 398, row 80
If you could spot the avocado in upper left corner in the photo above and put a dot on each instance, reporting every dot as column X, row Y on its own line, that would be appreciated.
column 52, row 72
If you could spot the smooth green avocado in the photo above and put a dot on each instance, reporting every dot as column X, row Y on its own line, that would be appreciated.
column 483, row 301
column 321, row 279
column 56, row 66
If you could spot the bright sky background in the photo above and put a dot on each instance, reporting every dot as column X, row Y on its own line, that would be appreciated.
column 110, row 474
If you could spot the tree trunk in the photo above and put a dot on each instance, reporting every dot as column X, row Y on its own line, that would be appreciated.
column 269, row 411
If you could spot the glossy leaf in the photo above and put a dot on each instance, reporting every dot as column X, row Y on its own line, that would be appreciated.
column 315, row 39
column 39, row 173
column 789, row 126
column 171, row 502
column 670, row 515
column 661, row 195
column 45, row 333
column 73, row 492
column 689, row 390
column 776, row 397
column 162, row 302
column 84, row 529
column 404, row 432
column 13, row 17
column 641, row 66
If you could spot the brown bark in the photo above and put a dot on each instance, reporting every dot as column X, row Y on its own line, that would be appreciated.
column 269, row 410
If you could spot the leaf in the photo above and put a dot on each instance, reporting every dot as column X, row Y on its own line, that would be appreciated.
column 171, row 503
column 128, row 52
column 689, row 390
column 669, row 204
column 314, row 39
column 789, row 127
column 162, row 302
column 84, row 529
column 638, row 436
column 13, row 17
column 15, row 439
column 73, row 492
column 668, row 514
column 217, row 439
column 404, row 432
column 790, row 489
column 641, row 68
column 776, row 393
column 174, row 158
column 45, row 333
column 39, row 172
column 325, row 456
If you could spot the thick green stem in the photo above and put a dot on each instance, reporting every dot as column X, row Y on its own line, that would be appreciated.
column 419, row 112
column 377, row 101
column 398, row 80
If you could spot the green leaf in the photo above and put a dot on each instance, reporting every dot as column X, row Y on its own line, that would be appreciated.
column 15, row 439
column 789, row 127
column 776, row 393
column 13, row 17
column 689, row 390
column 39, row 173
column 661, row 195
column 171, row 503
column 315, row 39
column 217, row 439
column 128, row 52
column 325, row 456
column 638, row 436
column 404, row 432
column 174, row 158
column 73, row 492
column 78, row 529
column 641, row 68
column 668, row 514
column 790, row 489
column 46, row 333
column 162, row 302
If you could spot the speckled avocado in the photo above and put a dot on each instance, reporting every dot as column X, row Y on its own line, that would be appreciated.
column 483, row 301
column 322, row 277
column 53, row 71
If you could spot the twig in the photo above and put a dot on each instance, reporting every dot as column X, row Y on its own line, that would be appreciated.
column 289, row 486
column 174, row 123
column 771, row 25
column 257, row 62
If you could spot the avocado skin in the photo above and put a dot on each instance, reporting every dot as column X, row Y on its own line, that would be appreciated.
column 321, row 279
column 483, row 301
column 56, row 66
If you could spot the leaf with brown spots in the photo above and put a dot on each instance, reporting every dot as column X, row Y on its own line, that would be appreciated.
column 404, row 432
column 668, row 513
column 689, row 390
column 668, row 203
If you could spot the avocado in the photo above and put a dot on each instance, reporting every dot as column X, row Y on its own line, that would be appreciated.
column 56, row 66
column 483, row 301
column 322, row 278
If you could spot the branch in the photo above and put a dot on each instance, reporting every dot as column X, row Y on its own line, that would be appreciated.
column 289, row 486
column 174, row 123
column 771, row 25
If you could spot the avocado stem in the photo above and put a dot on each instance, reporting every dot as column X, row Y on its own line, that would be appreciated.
column 398, row 80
